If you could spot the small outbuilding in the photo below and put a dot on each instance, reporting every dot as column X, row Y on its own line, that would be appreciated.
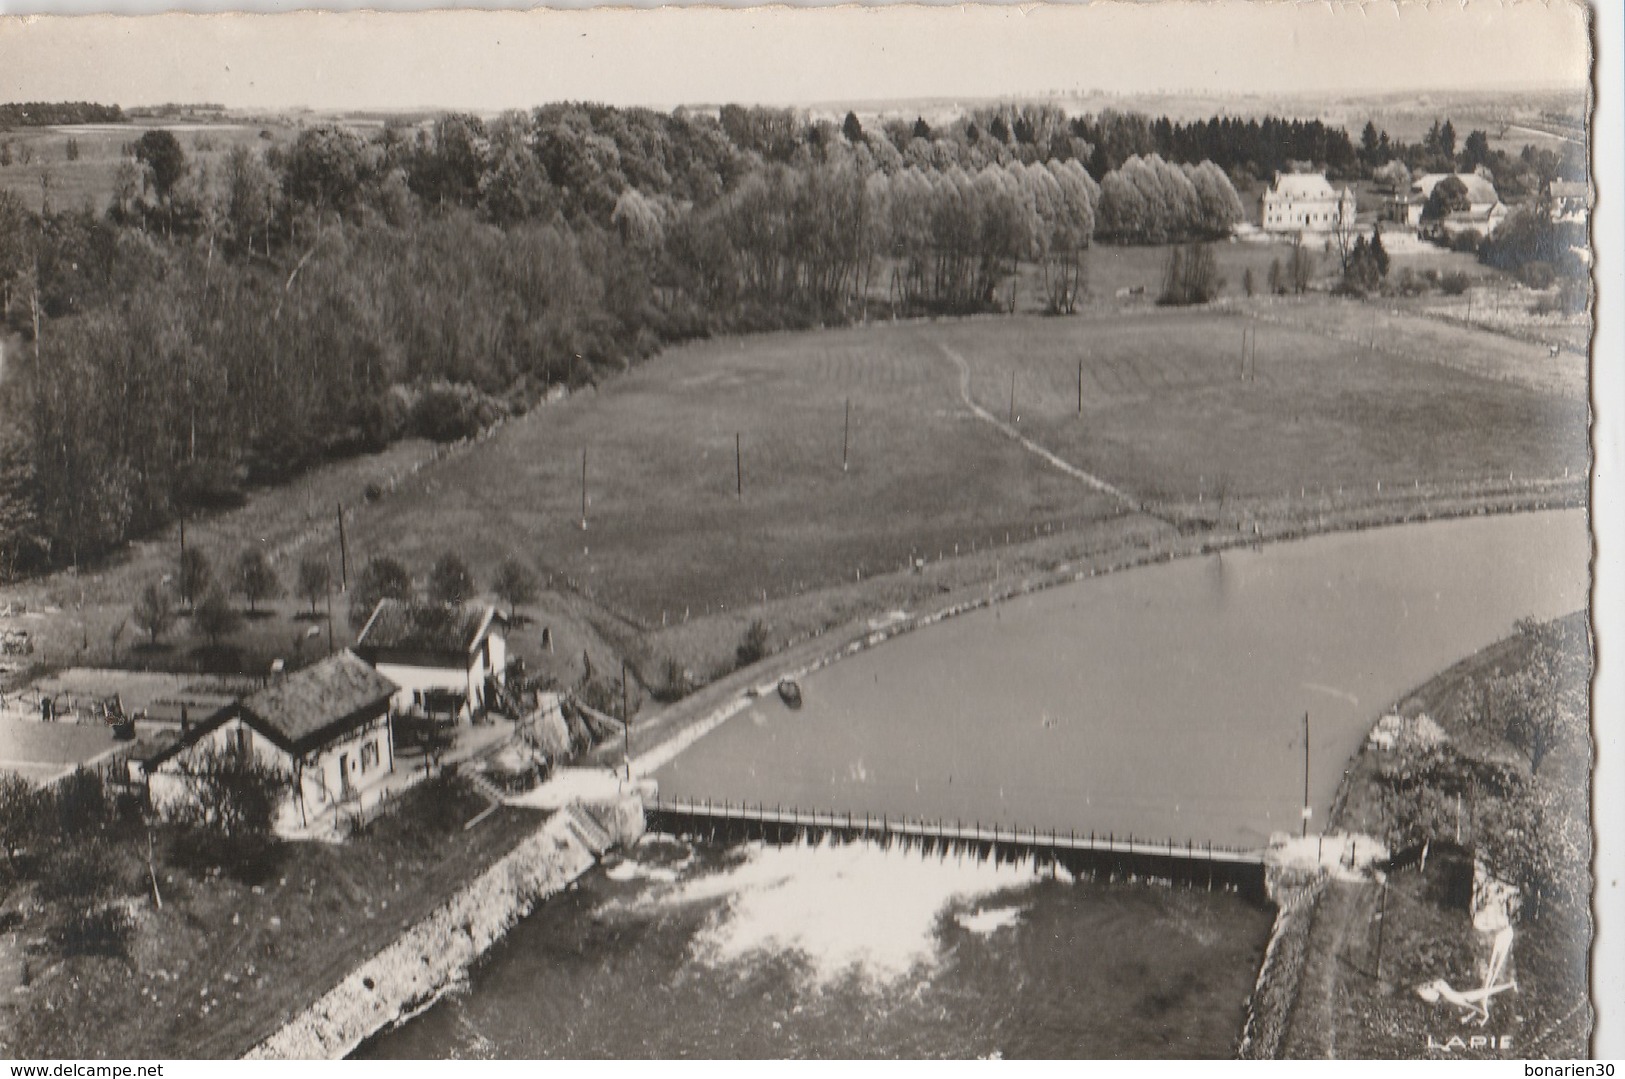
column 447, row 661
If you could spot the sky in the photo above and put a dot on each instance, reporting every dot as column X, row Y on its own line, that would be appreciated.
column 488, row 60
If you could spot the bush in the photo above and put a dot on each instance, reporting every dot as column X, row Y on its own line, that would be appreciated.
column 1190, row 276
column 444, row 412
column 1467, row 241
column 79, row 887
column 232, row 799
column 1537, row 275
column 1455, row 283
column 753, row 646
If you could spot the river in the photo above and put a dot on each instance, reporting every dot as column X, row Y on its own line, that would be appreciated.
column 1167, row 701
column 1163, row 701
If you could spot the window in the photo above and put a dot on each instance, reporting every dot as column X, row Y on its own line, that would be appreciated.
column 369, row 756
column 244, row 741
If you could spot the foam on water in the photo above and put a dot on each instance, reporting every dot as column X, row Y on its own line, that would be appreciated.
column 986, row 922
column 842, row 908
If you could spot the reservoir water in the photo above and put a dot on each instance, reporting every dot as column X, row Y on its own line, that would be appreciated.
column 1162, row 701
column 1166, row 701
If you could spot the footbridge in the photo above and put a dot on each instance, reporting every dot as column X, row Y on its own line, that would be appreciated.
column 1098, row 856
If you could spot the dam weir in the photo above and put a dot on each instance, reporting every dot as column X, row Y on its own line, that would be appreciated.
column 1095, row 856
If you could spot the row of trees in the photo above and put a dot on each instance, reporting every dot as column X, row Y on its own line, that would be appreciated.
column 449, row 585
column 54, row 113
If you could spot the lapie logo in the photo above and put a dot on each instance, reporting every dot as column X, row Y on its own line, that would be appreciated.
column 1456, row 1043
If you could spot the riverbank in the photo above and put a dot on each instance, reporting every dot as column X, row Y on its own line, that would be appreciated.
column 1355, row 984
column 411, row 974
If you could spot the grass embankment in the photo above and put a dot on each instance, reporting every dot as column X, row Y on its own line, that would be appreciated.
column 226, row 961
column 1346, row 1006
column 676, row 560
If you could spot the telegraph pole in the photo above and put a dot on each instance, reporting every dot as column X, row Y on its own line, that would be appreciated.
column 846, row 433
column 626, row 724
column 1012, row 397
column 583, row 488
column 344, row 554
column 739, row 469
column 1382, row 919
column 186, row 592
column 1080, row 387
column 1306, row 809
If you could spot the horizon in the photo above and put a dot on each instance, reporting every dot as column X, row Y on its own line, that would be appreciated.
column 485, row 61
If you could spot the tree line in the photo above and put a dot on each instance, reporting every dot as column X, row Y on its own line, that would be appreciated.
column 230, row 321
column 53, row 113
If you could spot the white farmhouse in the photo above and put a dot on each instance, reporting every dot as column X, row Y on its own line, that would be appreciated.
column 1485, row 210
column 446, row 660
column 1303, row 202
column 327, row 726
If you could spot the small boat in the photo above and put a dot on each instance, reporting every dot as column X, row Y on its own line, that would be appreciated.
column 790, row 693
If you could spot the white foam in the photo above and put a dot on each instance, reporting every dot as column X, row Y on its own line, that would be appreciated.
column 986, row 922
column 853, row 906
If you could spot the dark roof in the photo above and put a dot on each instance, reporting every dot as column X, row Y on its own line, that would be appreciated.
column 298, row 713
column 426, row 629
column 325, row 697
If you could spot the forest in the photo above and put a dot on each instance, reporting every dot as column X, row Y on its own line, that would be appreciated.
column 214, row 328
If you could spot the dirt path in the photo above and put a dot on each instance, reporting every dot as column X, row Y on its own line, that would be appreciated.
column 1343, row 912
column 1028, row 444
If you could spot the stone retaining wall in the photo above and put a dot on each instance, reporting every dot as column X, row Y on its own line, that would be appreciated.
column 412, row 973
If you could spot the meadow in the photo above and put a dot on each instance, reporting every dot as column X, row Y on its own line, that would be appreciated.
column 686, row 543
column 675, row 525
column 90, row 179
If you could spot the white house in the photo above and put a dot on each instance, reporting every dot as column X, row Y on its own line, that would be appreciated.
column 327, row 726
column 1304, row 202
column 1485, row 210
column 446, row 660
column 1571, row 201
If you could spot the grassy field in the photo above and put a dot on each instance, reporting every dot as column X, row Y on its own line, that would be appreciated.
column 90, row 180
column 671, row 542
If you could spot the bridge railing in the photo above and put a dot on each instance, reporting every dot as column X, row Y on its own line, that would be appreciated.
column 868, row 824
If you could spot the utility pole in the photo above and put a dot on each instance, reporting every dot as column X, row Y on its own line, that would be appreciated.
column 1382, row 919
column 1080, row 387
column 583, row 488
column 344, row 554
column 1306, row 809
column 739, row 469
column 1012, row 397
column 331, row 647
column 846, row 433
column 186, row 591
column 626, row 724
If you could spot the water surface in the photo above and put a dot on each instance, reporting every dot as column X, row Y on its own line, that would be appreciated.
column 694, row 951
column 1166, row 701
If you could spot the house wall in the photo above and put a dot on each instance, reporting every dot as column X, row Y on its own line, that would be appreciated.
column 491, row 658
column 1283, row 214
column 320, row 781
column 417, row 680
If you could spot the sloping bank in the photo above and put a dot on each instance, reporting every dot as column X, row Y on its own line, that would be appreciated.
column 412, row 973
